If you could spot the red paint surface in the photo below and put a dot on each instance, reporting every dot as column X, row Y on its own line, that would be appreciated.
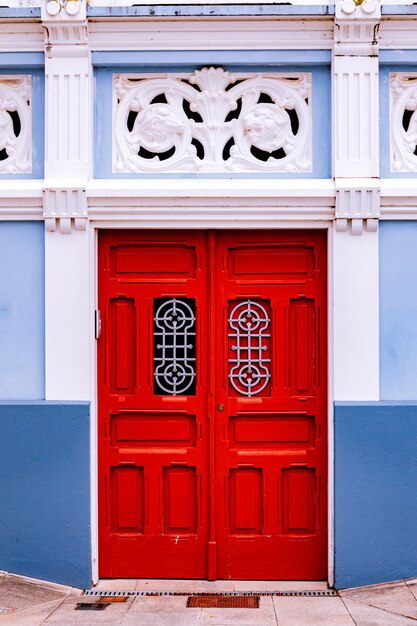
column 186, row 490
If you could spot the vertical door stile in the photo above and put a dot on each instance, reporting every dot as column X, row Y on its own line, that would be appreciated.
column 211, row 405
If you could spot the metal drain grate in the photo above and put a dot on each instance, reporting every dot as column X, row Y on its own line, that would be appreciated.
column 209, row 601
column 305, row 594
column 90, row 606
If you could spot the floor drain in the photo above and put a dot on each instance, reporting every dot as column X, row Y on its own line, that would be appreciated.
column 223, row 602
column 313, row 593
column 91, row 606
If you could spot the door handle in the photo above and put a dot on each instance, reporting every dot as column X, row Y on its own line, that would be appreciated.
column 220, row 407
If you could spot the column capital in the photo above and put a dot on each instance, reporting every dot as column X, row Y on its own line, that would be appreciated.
column 65, row 23
column 356, row 27
column 357, row 205
column 65, row 207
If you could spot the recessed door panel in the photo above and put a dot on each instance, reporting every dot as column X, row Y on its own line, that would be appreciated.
column 212, row 405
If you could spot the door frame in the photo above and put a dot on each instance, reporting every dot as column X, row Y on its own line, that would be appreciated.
column 221, row 224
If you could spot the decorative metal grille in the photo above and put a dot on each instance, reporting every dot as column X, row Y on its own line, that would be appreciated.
column 248, row 341
column 174, row 346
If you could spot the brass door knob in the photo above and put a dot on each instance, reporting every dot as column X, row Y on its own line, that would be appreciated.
column 220, row 407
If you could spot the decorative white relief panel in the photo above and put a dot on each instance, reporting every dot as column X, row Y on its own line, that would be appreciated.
column 15, row 124
column 403, row 122
column 212, row 121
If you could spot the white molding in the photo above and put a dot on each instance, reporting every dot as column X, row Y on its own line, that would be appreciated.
column 356, row 316
column 291, row 33
column 22, row 36
column 398, row 32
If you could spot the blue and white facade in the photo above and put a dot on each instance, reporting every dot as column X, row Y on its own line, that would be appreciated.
column 66, row 172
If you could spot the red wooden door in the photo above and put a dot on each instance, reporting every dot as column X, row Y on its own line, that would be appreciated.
column 271, row 381
column 212, row 405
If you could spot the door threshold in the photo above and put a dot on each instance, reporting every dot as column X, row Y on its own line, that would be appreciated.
column 188, row 587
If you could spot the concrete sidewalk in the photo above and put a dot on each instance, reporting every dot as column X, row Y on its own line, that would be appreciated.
column 28, row 602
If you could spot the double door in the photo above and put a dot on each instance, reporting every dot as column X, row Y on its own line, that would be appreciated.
column 212, row 404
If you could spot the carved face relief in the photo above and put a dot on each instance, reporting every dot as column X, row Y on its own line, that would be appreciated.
column 212, row 121
column 267, row 126
column 156, row 127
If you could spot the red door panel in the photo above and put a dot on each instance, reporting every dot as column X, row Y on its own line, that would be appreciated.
column 212, row 405
column 270, row 437
column 153, row 451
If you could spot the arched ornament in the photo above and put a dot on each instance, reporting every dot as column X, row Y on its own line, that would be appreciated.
column 403, row 122
column 15, row 124
column 212, row 121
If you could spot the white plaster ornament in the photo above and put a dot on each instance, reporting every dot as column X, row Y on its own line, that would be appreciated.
column 15, row 124
column 403, row 122
column 212, row 121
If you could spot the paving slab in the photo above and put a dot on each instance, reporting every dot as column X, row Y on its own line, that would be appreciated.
column 264, row 616
column 66, row 615
column 162, row 604
column 162, row 619
column 395, row 597
column 34, row 616
column 18, row 593
column 328, row 611
column 412, row 585
column 365, row 615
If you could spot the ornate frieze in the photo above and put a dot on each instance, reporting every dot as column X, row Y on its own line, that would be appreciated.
column 15, row 124
column 403, row 122
column 212, row 121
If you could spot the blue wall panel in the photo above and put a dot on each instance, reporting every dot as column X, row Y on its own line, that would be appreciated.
column 398, row 310
column 375, row 492
column 22, row 310
column 45, row 491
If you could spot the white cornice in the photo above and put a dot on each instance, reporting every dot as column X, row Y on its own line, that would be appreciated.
column 211, row 33
column 295, row 32
column 21, row 36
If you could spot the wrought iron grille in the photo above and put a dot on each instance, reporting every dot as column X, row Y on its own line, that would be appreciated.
column 174, row 346
column 248, row 334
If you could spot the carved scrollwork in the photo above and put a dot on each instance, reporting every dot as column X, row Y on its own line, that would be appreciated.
column 403, row 122
column 15, row 124
column 212, row 121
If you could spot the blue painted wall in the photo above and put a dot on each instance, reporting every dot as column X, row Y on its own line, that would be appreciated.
column 375, row 492
column 22, row 310
column 398, row 310
column 45, row 491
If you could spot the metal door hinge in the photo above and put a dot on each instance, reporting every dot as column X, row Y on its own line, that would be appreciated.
column 97, row 320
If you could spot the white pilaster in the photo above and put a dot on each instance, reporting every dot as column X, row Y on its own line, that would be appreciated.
column 68, row 318
column 356, row 170
column 356, row 316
